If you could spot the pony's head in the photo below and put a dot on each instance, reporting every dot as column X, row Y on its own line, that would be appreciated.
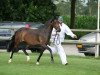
column 56, row 24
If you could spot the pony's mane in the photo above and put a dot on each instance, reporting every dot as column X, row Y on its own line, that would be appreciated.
column 45, row 25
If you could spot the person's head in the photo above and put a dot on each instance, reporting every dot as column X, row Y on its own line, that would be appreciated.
column 60, row 18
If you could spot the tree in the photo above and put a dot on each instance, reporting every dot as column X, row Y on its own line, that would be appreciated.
column 72, row 20
column 27, row 10
column 92, row 7
column 64, row 8
column 41, row 10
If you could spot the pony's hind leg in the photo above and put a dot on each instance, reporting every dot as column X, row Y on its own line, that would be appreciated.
column 27, row 55
column 11, row 55
column 14, row 49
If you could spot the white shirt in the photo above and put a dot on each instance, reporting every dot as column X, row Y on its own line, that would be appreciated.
column 64, row 30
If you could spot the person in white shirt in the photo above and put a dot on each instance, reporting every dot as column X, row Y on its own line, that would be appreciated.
column 58, row 38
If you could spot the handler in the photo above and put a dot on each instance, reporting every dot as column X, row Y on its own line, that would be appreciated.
column 58, row 38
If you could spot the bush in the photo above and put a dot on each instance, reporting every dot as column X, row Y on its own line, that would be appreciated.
column 82, row 22
column 66, row 19
column 86, row 22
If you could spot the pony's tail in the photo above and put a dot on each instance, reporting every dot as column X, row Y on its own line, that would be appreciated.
column 11, row 44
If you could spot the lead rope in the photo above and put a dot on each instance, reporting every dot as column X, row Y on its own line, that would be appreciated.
column 57, row 41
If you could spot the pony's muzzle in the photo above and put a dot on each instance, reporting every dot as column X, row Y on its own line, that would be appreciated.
column 58, row 30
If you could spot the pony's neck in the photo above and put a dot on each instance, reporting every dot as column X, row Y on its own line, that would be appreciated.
column 49, row 34
column 48, row 30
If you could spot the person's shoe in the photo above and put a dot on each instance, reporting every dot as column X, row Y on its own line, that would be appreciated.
column 66, row 64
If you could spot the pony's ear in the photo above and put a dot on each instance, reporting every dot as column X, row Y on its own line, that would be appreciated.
column 61, row 23
column 52, row 20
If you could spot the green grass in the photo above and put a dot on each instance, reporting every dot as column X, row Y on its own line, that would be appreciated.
column 77, row 65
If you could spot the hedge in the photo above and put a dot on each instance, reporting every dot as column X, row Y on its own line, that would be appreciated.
column 82, row 22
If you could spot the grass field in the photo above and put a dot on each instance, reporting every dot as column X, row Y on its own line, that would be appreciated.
column 77, row 65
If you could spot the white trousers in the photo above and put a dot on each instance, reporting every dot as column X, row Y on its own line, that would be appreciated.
column 58, row 48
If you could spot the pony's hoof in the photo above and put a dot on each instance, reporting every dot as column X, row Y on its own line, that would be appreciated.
column 28, row 58
column 52, row 61
column 37, row 63
column 9, row 61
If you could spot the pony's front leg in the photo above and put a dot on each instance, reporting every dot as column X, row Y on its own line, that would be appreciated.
column 52, row 60
column 11, row 55
column 41, row 53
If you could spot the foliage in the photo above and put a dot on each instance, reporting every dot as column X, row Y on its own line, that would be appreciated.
column 42, row 10
column 86, row 22
column 64, row 8
column 26, row 10
column 77, row 65
column 66, row 19
column 82, row 7
column 91, row 8
column 82, row 22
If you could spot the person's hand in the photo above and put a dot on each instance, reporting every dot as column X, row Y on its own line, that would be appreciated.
column 75, row 37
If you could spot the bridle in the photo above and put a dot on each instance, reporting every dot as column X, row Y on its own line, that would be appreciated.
column 57, row 39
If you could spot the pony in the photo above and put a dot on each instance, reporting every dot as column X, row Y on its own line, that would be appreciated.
column 35, row 38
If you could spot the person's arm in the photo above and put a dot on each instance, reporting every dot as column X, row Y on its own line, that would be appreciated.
column 69, row 32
